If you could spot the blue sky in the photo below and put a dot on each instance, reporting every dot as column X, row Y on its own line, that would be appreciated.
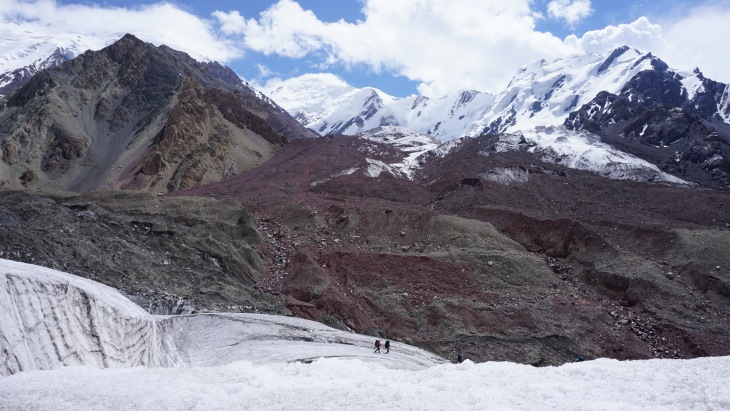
column 432, row 47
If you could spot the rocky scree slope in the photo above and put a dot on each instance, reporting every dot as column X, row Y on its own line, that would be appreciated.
column 135, row 116
column 169, row 255
column 496, row 255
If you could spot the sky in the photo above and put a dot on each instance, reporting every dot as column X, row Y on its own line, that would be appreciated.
column 430, row 47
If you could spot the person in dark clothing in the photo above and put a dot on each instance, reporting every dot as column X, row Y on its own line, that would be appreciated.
column 377, row 346
column 387, row 346
column 460, row 358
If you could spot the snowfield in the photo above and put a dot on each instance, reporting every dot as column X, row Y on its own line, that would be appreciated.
column 71, row 343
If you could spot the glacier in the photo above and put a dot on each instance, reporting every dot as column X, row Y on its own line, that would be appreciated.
column 70, row 343
column 50, row 319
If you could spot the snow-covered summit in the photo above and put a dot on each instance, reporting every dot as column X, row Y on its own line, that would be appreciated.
column 540, row 94
column 24, row 53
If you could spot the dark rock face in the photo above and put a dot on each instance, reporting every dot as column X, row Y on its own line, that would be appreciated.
column 654, row 119
column 93, row 122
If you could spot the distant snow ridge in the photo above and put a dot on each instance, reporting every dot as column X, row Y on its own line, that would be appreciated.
column 540, row 94
column 23, row 54
column 50, row 319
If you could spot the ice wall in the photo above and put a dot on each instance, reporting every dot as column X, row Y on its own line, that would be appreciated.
column 49, row 319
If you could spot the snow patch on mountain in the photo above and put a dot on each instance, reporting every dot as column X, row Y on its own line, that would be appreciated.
column 506, row 176
column 723, row 107
column 584, row 151
column 413, row 145
column 328, row 178
column 692, row 84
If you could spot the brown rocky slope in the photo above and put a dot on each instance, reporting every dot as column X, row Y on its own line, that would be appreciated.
column 494, row 255
column 464, row 258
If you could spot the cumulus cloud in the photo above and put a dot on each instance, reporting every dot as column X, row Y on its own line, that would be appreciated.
column 161, row 23
column 571, row 12
column 691, row 37
column 641, row 34
column 446, row 45
column 231, row 22
column 699, row 38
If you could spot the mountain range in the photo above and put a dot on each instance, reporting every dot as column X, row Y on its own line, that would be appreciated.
column 477, row 224
column 630, row 101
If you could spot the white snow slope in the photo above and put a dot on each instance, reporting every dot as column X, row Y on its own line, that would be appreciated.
column 261, row 362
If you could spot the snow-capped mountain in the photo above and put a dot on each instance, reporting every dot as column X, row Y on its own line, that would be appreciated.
column 540, row 94
column 23, row 54
column 614, row 97
column 328, row 105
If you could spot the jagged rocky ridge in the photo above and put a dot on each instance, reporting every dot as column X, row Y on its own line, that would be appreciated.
column 136, row 116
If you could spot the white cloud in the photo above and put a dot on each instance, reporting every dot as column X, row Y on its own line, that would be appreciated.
column 570, row 11
column 640, row 34
column 231, row 23
column 161, row 23
column 699, row 38
column 444, row 44
column 691, row 37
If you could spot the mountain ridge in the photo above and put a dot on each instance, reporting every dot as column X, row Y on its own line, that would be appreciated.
column 550, row 94
column 136, row 116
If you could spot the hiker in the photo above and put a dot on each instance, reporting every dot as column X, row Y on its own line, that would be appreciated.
column 377, row 347
column 387, row 346
column 460, row 358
